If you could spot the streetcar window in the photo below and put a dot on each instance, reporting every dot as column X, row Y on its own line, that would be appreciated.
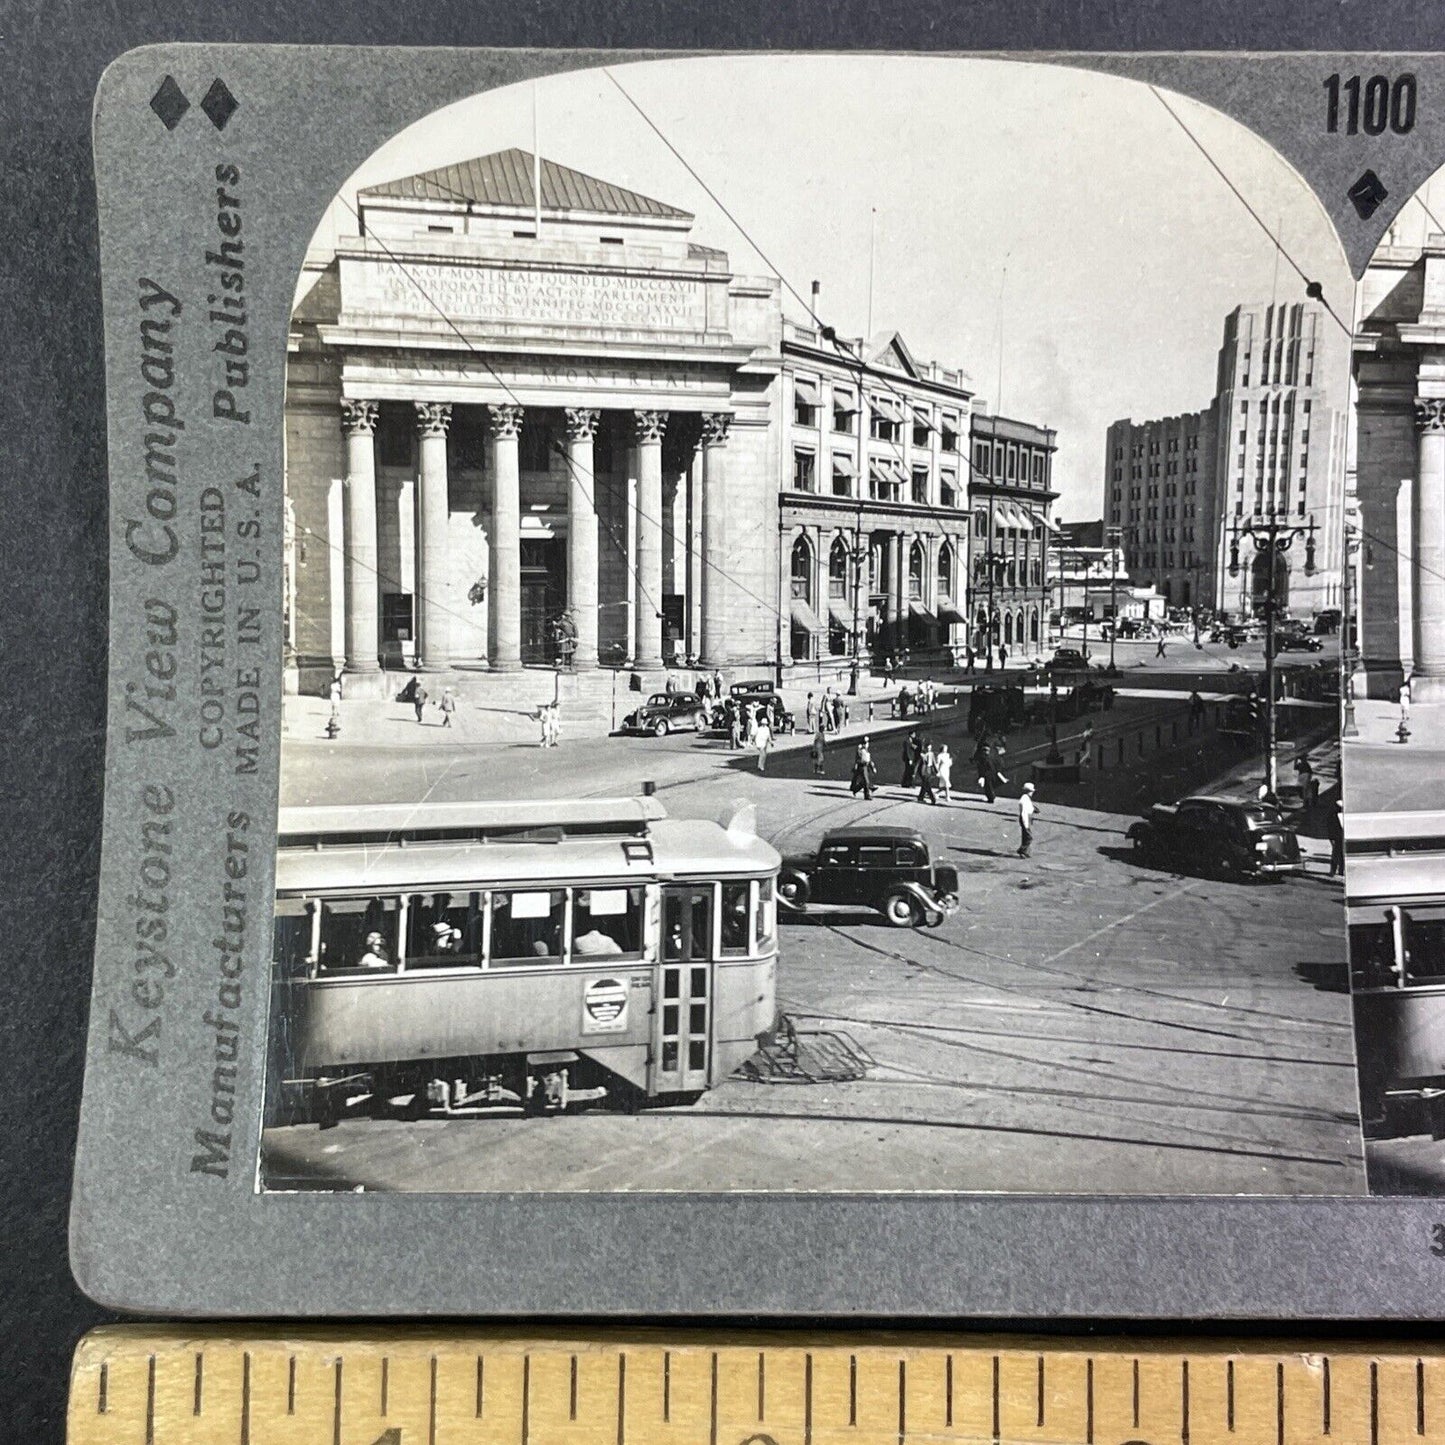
column 767, row 919
column 735, row 900
column 527, row 927
column 686, row 924
column 444, row 930
column 607, row 922
column 359, row 935
column 292, row 951
column 1424, row 930
column 1372, row 954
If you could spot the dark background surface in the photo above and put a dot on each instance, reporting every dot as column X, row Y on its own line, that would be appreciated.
column 53, row 501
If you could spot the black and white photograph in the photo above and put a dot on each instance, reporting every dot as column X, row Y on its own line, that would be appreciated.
column 813, row 608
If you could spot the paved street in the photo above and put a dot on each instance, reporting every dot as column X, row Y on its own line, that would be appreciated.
column 1083, row 1023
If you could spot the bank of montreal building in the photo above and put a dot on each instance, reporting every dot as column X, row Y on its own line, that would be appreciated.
column 486, row 425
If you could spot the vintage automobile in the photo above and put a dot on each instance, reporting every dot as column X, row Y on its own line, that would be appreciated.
column 1235, row 838
column 758, row 691
column 666, row 712
column 1297, row 641
column 1068, row 659
column 889, row 870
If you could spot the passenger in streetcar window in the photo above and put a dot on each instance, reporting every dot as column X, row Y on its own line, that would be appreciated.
column 445, row 938
column 377, row 954
column 735, row 918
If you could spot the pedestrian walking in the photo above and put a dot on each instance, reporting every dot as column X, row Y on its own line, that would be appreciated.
column 808, row 714
column 819, row 751
column 1159, row 646
column 717, row 684
column 1026, row 820
column 945, row 774
column 987, row 770
column 334, row 692
column 763, row 741
column 554, row 725
column 968, row 659
column 927, row 777
column 448, row 706
column 912, row 752
column 418, row 699
column 1002, row 656
column 870, row 709
column 864, row 774
column 1337, row 840
column 735, row 724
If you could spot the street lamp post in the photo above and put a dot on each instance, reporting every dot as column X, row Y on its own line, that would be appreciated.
column 1112, row 538
column 1348, row 727
column 1271, row 537
column 994, row 562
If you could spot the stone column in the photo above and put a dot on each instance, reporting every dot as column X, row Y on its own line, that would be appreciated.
column 504, row 425
column 582, row 532
column 433, row 556
column 1428, row 683
column 714, row 543
column 362, row 634
column 898, row 590
column 648, row 427
column 694, row 556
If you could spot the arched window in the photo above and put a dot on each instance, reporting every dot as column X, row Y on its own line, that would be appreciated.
column 915, row 570
column 945, row 571
column 1011, row 573
column 1033, row 625
column 838, row 568
column 802, row 571
column 1008, row 629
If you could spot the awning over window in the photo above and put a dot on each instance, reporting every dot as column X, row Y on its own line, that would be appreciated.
column 805, row 390
column 841, row 613
column 923, row 416
column 882, row 470
column 1044, row 521
column 844, row 465
column 805, row 617
column 950, row 616
column 888, row 406
column 917, row 609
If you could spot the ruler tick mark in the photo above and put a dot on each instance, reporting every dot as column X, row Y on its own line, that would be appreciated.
column 807, row 1399
column 712, row 1407
column 621, row 1397
column 666, row 1386
column 995, row 1398
column 852, row 1389
column 1419, row 1397
column 246, row 1398
column 1374, row 1403
column 572, row 1392
column 431, row 1414
column 762, row 1385
column 1089, row 1402
column 1184, row 1402
column 1136, row 1394
column 1041, row 1393
column 101, row 1402
column 385, row 1384
column 526, row 1398
column 947, row 1392
column 291, row 1386
column 1228, row 1396
column 151, row 1402
column 1279, row 1404
column 902, row 1400
column 1326, row 1393
column 336, row 1409
column 200, row 1377
column 481, row 1386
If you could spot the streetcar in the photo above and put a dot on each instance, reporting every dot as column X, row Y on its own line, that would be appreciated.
column 474, row 958
column 1395, row 891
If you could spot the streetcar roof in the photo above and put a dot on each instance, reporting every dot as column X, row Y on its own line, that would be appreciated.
column 1404, row 879
column 1409, row 829
column 672, row 847
column 381, row 821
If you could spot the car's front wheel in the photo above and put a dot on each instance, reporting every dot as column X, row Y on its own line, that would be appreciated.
column 659, row 728
column 901, row 910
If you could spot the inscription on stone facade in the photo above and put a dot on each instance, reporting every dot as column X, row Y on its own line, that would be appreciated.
column 519, row 296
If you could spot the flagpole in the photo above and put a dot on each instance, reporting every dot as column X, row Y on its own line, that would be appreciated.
column 536, row 167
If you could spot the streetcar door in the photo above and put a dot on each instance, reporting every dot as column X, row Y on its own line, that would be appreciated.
column 682, row 1018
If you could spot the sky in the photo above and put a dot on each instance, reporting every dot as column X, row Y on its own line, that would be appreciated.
column 1053, row 233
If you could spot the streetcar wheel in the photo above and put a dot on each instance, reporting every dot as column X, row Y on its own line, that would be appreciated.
column 900, row 910
column 659, row 728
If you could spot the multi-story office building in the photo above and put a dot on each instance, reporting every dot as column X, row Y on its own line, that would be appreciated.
column 1011, row 496
column 873, row 502
column 1181, row 489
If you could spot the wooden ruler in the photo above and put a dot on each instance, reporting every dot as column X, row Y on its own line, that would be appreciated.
column 164, row 1386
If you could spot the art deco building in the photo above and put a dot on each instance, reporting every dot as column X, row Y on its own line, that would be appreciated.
column 1271, row 442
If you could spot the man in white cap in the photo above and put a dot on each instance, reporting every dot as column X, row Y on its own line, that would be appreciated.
column 1026, row 820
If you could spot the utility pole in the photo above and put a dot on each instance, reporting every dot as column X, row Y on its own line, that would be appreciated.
column 1112, row 538
column 1271, row 538
column 1348, row 727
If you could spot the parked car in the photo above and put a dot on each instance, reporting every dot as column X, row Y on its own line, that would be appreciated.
column 666, row 712
column 889, row 870
column 760, row 691
column 1236, row 838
